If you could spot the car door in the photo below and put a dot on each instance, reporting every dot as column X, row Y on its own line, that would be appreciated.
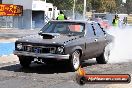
column 91, row 42
column 100, row 37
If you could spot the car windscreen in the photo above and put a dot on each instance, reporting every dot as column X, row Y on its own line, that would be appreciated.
column 64, row 28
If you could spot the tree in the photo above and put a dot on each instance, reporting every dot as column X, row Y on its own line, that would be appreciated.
column 68, row 4
column 129, row 6
column 97, row 5
column 89, row 5
column 110, row 5
column 103, row 5
column 118, row 2
column 62, row 4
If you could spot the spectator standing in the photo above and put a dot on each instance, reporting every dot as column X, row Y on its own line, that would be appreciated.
column 115, row 21
column 61, row 16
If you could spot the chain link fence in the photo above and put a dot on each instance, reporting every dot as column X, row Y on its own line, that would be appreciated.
column 6, row 22
column 76, row 10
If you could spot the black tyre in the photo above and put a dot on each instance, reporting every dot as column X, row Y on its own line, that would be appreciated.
column 25, row 61
column 75, row 60
column 82, row 81
column 104, row 57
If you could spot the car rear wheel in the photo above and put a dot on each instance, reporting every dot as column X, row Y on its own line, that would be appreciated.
column 25, row 61
column 75, row 60
column 104, row 57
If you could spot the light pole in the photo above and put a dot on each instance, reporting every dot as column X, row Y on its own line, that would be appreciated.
column 73, row 10
column 84, row 9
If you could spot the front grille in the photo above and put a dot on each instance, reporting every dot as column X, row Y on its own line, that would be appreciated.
column 39, row 49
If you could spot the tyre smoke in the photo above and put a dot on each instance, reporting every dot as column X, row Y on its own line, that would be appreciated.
column 122, row 50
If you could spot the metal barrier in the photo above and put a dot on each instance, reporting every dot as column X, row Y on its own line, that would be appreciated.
column 6, row 22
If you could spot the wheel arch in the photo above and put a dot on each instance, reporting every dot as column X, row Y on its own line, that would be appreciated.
column 77, row 48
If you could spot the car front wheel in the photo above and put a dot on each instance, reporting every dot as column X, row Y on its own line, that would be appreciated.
column 25, row 61
column 75, row 60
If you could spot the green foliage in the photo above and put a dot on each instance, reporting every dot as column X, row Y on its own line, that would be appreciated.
column 62, row 4
column 129, row 6
column 97, row 5
column 103, row 5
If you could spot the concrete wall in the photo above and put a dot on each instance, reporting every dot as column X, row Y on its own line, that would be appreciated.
column 7, row 1
column 24, row 21
column 27, row 19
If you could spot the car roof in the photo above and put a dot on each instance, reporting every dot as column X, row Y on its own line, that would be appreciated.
column 78, row 21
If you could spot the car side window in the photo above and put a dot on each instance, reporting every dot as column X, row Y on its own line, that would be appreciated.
column 98, row 30
column 76, row 28
column 90, row 30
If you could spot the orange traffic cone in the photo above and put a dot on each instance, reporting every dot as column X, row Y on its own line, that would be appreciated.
column 81, row 72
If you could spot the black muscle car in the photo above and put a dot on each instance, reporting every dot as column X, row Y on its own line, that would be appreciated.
column 70, row 41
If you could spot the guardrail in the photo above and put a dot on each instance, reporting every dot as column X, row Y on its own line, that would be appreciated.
column 129, row 19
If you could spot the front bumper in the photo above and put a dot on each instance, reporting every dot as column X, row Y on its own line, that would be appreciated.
column 56, row 56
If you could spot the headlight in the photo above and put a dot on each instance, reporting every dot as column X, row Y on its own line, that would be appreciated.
column 60, row 49
column 19, row 46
